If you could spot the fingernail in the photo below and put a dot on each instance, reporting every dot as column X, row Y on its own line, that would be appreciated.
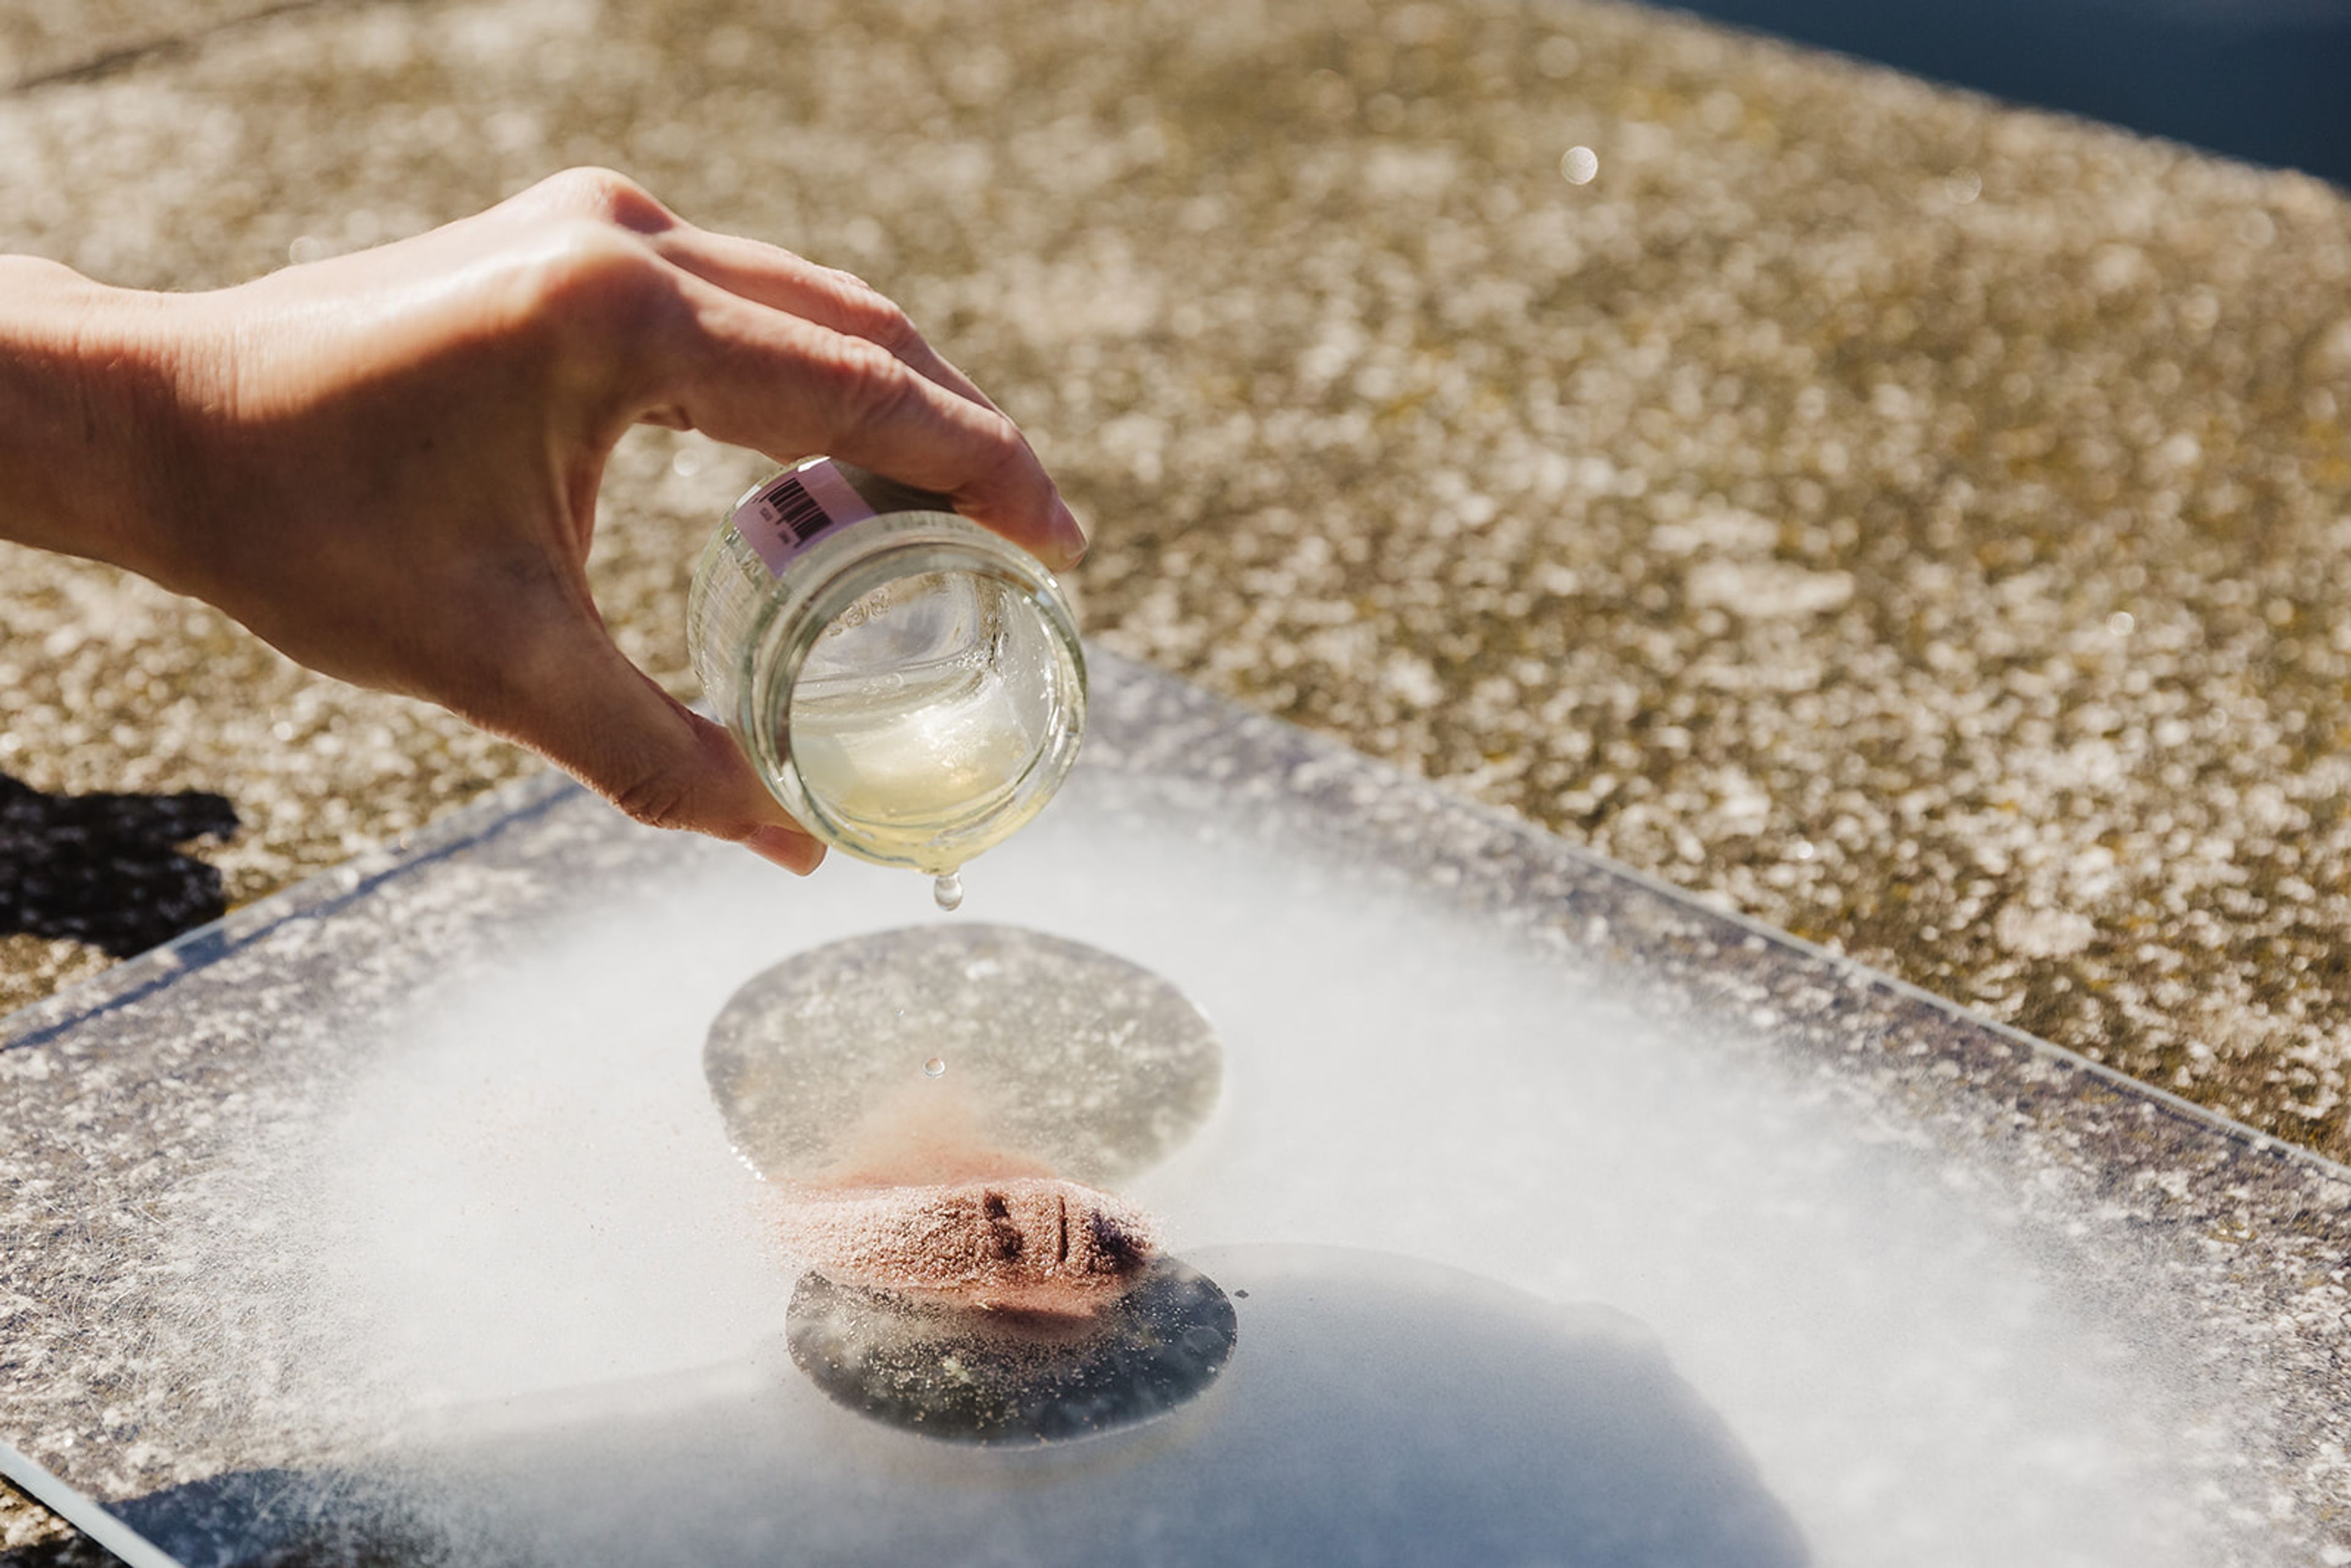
column 786, row 847
column 1068, row 534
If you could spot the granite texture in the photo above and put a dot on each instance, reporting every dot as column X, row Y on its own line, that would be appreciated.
column 1918, row 524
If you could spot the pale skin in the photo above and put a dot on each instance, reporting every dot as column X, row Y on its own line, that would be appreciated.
column 387, row 464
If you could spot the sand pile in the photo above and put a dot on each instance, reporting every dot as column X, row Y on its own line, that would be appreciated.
column 1026, row 1243
column 925, row 1201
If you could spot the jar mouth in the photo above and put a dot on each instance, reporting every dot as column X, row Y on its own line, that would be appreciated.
column 920, row 695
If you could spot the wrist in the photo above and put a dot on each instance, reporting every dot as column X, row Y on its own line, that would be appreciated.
column 91, row 425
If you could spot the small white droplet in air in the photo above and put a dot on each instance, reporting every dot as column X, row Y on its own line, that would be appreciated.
column 934, row 1068
column 2122, row 623
column 1579, row 164
column 1802, row 849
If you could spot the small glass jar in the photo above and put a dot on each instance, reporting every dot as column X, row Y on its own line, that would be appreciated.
column 908, row 685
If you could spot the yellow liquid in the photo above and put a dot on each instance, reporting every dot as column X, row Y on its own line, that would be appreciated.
column 914, row 716
column 910, row 764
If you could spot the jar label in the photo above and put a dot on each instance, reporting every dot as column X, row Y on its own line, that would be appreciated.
column 780, row 517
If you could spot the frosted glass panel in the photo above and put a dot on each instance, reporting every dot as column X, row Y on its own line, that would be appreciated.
column 1556, row 1217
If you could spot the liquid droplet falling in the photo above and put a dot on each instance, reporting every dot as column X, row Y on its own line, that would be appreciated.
column 933, row 1066
column 1579, row 164
column 946, row 892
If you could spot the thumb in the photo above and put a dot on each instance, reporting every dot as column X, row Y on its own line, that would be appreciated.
column 606, row 723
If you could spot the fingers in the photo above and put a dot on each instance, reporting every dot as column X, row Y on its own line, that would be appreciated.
column 778, row 278
column 581, row 705
column 762, row 377
column 790, row 357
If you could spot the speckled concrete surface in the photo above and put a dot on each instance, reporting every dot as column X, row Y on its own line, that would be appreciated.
column 45, row 41
column 1916, row 523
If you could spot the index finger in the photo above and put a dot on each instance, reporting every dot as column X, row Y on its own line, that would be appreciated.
column 787, row 281
column 766, row 378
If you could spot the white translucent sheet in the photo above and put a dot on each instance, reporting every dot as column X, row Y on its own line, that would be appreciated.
column 1563, row 1220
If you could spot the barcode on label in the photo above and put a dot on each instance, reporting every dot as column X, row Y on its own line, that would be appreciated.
column 781, row 516
column 790, row 508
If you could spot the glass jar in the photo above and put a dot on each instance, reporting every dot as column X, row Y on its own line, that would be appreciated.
column 909, row 685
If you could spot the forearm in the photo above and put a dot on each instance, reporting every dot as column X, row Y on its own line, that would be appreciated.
column 86, row 405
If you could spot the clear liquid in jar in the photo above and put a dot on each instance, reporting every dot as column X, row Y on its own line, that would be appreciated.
column 920, row 714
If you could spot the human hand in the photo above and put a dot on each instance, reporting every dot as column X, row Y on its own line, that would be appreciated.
column 386, row 463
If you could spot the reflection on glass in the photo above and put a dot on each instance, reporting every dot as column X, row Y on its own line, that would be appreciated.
column 1067, row 1059
column 1013, row 1377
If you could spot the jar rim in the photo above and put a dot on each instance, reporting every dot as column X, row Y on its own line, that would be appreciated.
column 834, row 573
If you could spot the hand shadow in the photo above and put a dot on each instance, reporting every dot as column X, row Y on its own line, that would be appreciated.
column 107, row 868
